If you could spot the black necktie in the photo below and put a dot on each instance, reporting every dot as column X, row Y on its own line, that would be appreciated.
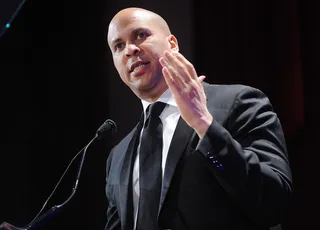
column 150, row 171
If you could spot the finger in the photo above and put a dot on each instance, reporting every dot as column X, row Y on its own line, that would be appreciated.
column 201, row 78
column 176, row 77
column 169, row 80
column 188, row 65
column 178, row 65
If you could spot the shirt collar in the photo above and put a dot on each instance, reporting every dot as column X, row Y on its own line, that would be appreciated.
column 166, row 97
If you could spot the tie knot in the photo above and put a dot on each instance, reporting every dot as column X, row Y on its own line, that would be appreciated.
column 155, row 108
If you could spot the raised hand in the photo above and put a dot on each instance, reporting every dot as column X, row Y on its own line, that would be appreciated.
column 187, row 89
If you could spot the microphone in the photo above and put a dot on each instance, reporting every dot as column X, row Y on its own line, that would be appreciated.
column 109, row 126
column 106, row 127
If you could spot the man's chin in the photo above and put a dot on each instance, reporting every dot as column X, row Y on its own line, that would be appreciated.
column 149, row 92
column 144, row 85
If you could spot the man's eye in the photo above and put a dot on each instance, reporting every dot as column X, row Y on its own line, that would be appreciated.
column 119, row 46
column 141, row 35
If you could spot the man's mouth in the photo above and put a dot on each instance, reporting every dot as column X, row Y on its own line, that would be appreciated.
column 137, row 66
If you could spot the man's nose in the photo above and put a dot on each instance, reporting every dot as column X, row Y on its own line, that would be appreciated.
column 132, row 50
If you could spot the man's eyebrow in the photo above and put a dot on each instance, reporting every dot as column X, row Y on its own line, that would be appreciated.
column 137, row 30
column 115, row 41
column 140, row 29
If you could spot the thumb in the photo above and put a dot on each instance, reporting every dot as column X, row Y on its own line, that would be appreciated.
column 201, row 78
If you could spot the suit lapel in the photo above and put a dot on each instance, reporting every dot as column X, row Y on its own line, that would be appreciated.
column 126, row 179
column 178, row 144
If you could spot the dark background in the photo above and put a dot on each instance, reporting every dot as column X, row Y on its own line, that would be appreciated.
column 58, row 85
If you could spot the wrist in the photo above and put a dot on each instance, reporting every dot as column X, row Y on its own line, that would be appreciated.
column 203, row 124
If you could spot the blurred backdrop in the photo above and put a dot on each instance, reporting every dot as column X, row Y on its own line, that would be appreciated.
column 58, row 85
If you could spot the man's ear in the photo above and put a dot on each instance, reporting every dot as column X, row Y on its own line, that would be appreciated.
column 173, row 42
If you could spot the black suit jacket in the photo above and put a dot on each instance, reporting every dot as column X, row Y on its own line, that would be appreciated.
column 236, row 177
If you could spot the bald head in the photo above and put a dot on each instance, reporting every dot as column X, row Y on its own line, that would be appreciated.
column 131, row 14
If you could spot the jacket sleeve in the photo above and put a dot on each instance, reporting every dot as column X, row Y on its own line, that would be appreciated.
column 248, row 156
column 113, row 219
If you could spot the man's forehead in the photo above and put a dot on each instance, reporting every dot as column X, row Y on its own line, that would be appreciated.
column 124, row 20
column 128, row 23
column 135, row 14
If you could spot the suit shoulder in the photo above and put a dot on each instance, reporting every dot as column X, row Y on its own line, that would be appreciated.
column 127, row 138
column 124, row 142
column 118, row 152
column 230, row 91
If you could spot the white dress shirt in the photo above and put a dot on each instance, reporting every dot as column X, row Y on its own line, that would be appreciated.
column 169, row 118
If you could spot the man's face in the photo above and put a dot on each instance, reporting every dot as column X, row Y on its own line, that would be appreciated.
column 137, row 41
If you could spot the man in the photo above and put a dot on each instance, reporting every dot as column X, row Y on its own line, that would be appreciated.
column 223, row 159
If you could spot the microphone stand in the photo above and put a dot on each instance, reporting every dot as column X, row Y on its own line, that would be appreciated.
column 104, row 128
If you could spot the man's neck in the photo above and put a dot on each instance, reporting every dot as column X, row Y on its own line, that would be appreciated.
column 165, row 97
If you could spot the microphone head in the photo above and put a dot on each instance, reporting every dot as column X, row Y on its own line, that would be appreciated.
column 107, row 127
